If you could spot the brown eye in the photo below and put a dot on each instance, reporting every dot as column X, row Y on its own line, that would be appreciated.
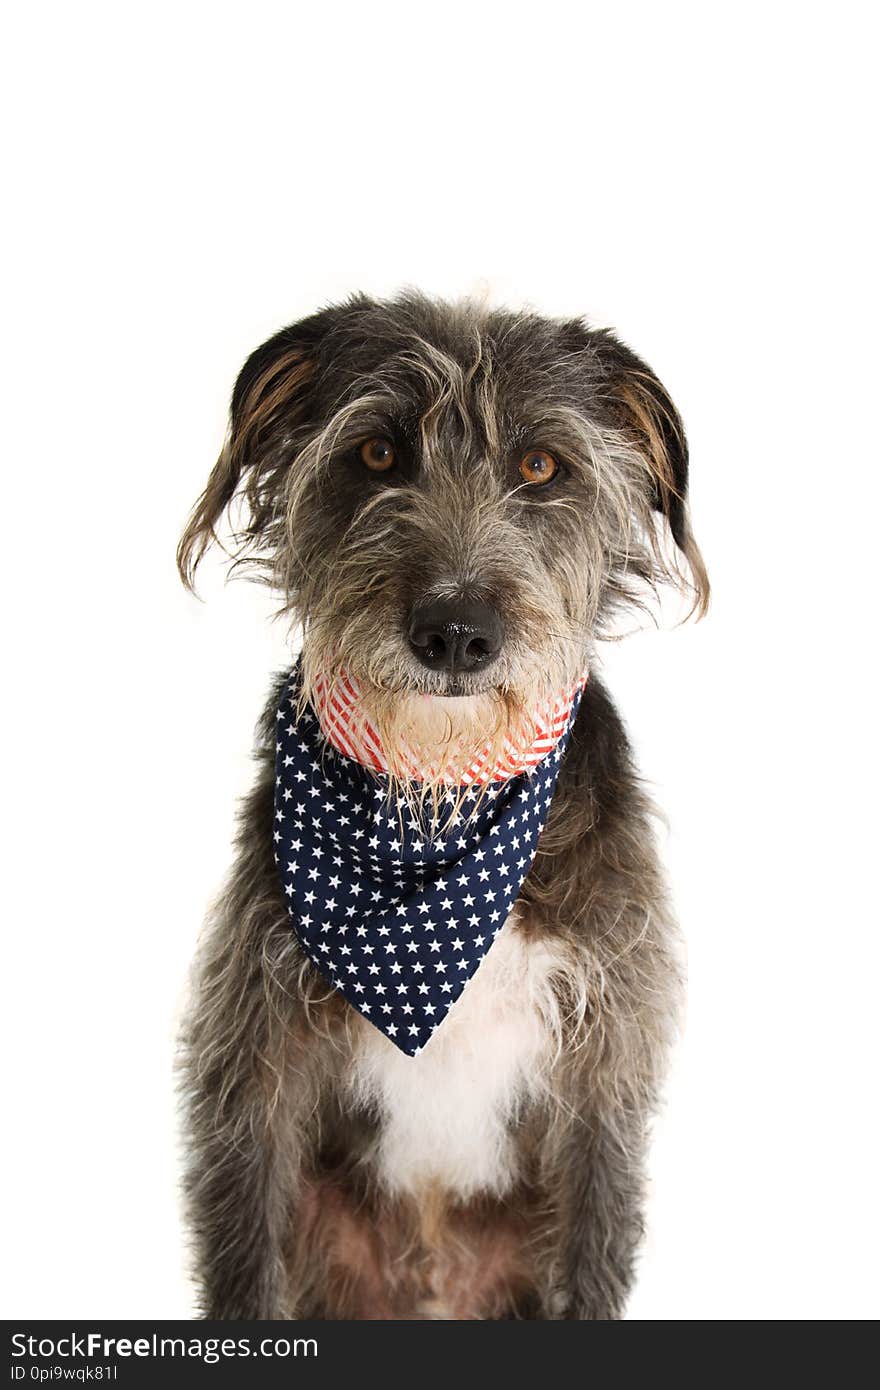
column 537, row 466
column 378, row 455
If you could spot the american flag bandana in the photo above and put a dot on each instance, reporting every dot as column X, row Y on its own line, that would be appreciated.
column 397, row 910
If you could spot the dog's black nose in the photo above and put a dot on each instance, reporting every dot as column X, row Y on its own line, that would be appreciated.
column 455, row 634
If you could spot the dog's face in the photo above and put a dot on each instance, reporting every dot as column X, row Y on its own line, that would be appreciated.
column 451, row 500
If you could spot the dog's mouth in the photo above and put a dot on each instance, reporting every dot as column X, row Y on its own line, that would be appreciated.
column 449, row 686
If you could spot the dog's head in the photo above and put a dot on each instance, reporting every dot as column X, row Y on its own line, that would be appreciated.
column 452, row 502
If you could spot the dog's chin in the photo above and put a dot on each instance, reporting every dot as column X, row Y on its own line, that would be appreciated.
column 440, row 721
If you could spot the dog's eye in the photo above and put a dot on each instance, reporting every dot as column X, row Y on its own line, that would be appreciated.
column 537, row 466
column 378, row 455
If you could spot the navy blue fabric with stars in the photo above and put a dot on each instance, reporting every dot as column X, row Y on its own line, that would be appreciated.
column 395, row 911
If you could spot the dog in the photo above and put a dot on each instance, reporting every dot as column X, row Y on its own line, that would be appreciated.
column 454, row 503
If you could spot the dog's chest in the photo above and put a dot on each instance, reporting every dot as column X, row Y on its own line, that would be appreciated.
column 445, row 1116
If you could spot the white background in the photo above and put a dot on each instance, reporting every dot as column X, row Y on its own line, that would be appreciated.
column 184, row 179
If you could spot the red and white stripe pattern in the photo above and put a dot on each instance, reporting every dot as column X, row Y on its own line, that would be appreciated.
column 337, row 703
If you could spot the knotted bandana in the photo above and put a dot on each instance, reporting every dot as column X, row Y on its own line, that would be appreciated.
column 395, row 909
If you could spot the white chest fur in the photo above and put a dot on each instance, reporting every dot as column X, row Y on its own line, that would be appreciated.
column 446, row 1114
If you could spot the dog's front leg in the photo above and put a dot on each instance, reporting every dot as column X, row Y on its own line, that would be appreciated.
column 240, row 1205
column 598, row 1201
column 249, row 1091
column 249, row 1141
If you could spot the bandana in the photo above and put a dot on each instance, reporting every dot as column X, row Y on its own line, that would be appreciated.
column 397, row 910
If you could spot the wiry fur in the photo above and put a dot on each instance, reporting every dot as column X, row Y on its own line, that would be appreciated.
column 499, row 1173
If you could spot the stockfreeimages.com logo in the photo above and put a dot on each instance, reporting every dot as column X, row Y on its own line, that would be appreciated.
column 95, row 1347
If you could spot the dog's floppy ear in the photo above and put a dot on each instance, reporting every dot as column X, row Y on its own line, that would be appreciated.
column 640, row 406
column 270, row 397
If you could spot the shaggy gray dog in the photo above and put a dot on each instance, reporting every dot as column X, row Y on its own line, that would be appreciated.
column 404, row 473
